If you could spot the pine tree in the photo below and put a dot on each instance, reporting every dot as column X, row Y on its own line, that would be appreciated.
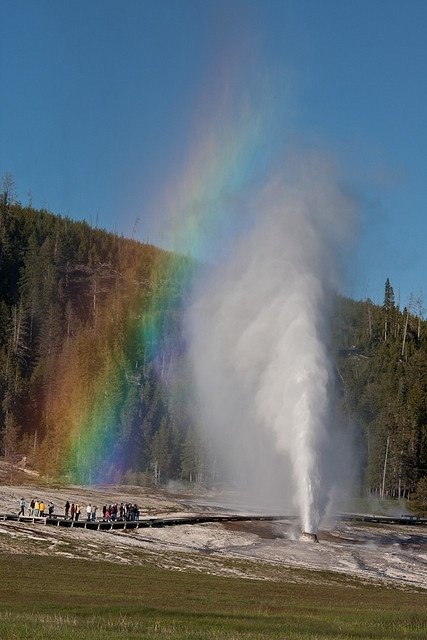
column 389, row 307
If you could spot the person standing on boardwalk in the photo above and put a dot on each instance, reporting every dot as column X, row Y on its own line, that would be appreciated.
column 41, row 508
column 72, row 510
column 67, row 510
column 77, row 512
column 36, row 508
column 21, row 507
column 88, row 512
column 31, row 507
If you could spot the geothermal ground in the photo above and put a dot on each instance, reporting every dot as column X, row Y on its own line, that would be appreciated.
column 394, row 555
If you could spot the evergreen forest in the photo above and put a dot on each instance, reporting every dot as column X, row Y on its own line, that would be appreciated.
column 93, row 371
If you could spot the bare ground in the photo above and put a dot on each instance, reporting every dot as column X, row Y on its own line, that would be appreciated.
column 393, row 555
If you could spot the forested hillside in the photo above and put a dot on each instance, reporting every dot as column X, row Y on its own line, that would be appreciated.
column 90, row 344
column 382, row 361
column 93, row 373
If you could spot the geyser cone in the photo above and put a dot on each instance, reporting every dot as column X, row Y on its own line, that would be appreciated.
column 309, row 537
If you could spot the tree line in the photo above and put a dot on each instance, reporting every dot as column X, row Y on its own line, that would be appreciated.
column 381, row 360
column 90, row 341
column 92, row 350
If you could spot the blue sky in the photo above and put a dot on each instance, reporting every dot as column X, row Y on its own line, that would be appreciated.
column 99, row 102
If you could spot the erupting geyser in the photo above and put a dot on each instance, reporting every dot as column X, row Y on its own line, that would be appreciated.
column 260, row 337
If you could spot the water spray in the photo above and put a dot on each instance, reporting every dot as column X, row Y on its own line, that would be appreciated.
column 260, row 335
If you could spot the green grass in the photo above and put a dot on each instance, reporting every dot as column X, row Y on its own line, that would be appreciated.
column 47, row 597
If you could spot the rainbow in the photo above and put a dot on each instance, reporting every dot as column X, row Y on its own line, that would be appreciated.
column 101, row 368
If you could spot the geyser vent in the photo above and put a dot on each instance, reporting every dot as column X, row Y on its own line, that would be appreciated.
column 309, row 537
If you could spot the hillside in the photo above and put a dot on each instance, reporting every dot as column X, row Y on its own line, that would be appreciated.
column 382, row 362
column 93, row 373
column 89, row 339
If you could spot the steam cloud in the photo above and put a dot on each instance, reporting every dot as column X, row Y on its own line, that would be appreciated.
column 260, row 328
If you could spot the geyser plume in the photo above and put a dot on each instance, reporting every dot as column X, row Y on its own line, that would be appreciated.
column 260, row 336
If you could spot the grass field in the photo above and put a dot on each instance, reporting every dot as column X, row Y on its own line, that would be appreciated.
column 62, row 598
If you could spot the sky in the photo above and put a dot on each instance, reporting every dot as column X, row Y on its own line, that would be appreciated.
column 133, row 114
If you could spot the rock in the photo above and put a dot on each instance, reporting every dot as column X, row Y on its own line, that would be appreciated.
column 308, row 537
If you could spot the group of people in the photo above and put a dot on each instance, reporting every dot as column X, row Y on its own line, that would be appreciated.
column 37, row 508
column 111, row 512
column 72, row 510
column 124, row 511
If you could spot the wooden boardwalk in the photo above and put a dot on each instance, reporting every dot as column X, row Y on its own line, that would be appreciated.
column 108, row 525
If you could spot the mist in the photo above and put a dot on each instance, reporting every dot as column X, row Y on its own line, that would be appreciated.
column 260, row 324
